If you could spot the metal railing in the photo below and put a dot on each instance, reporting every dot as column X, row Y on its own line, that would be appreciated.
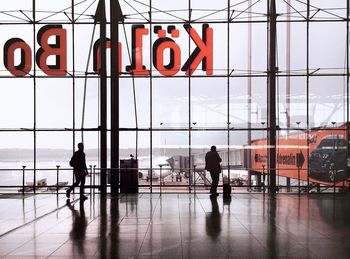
column 196, row 180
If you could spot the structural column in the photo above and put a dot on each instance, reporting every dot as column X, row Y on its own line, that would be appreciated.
column 116, row 16
column 100, row 17
column 272, row 97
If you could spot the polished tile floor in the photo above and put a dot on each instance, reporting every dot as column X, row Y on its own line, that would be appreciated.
column 175, row 226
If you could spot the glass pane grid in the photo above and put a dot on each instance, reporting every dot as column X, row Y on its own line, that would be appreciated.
column 177, row 117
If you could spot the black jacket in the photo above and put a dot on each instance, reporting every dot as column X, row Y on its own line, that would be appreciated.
column 212, row 162
column 79, row 161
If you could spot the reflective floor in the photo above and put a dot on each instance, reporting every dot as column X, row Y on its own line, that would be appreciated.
column 175, row 226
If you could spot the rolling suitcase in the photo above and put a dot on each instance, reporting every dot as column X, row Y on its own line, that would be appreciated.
column 226, row 187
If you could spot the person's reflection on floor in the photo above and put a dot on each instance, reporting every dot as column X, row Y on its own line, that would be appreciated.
column 213, row 220
column 114, row 233
column 77, row 234
column 227, row 200
column 272, row 228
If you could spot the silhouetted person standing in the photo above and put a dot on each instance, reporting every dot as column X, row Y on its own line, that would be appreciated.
column 78, row 163
column 212, row 164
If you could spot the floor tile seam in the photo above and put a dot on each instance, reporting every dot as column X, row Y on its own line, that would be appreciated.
column 69, row 216
column 23, row 244
column 148, row 227
column 324, row 237
column 33, row 209
column 251, row 234
column 306, row 247
column 40, row 197
column 62, row 220
column 26, row 242
column 180, row 226
column 108, row 207
column 293, row 239
column 322, row 234
column 43, row 205
column 153, row 212
column 36, row 219
column 201, row 204
column 256, row 196
column 64, row 243
column 304, row 224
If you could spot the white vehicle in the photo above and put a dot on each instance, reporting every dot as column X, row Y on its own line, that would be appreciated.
column 161, row 168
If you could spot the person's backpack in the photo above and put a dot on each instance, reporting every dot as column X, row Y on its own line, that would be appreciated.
column 72, row 161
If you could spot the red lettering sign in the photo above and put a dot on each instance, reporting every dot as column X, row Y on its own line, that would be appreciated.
column 203, row 53
column 137, row 68
column 59, row 50
column 9, row 57
column 96, row 59
column 159, row 47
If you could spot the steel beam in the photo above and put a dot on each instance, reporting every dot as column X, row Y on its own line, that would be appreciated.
column 272, row 97
column 100, row 17
column 116, row 16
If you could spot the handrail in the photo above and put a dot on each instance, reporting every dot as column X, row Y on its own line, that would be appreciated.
column 149, row 168
column 192, row 183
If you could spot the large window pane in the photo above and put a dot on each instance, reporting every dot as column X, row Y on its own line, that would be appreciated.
column 16, row 151
column 295, row 56
column 87, row 114
column 209, row 103
column 248, row 108
column 172, row 11
column 54, row 103
column 292, row 102
column 54, row 149
column 85, row 11
column 16, row 103
column 327, row 50
column 239, row 45
column 83, row 37
column 13, row 8
column 53, row 12
column 137, row 144
column 207, row 11
column 134, row 106
column 141, row 6
column 335, row 10
column 170, row 103
column 170, row 159
column 327, row 101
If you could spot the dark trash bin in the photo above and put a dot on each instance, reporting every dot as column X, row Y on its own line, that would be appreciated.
column 129, row 176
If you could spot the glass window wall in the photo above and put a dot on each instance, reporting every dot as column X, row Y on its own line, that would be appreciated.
column 169, row 121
